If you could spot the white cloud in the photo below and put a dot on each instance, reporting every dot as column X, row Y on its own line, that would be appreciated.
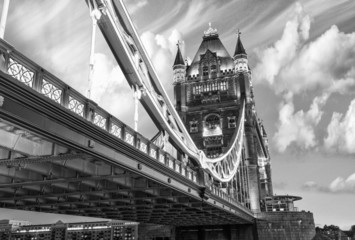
column 298, row 127
column 135, row 5
column 310, row 185
column 338, row 185
column 274, row 59
column 293, row 66
column 343, row 185
column 341, row 131
column 110, row 89
column 162, row 51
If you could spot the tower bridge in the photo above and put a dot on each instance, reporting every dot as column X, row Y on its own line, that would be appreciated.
column 62, row 153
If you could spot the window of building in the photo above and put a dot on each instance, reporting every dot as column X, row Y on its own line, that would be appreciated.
column 193, row 126
column 212, row 121
column 223, row 86
column 214, row 152
column 232, row 123
column 205, row 71
column 214, row 69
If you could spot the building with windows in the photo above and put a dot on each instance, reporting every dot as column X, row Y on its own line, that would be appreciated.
column 103, row 230
column 210, row 95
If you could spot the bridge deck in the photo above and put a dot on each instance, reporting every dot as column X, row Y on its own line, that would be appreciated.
column 56, row 160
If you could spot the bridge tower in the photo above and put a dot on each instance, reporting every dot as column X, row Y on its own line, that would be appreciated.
column 208, row 99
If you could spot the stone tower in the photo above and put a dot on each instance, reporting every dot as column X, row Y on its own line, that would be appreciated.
column 208, row 96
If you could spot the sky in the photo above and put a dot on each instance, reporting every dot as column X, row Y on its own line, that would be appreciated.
column 302, row 56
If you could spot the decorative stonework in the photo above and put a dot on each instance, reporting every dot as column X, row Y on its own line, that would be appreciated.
column 210, row 31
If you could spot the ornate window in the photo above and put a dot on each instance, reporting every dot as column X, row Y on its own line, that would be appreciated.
column 212, row 121
column 196, row 89
column 205, row 71
column 214, row 69
column 193, row 126
column 214, row 152
column 232, row 122
column 223, row 86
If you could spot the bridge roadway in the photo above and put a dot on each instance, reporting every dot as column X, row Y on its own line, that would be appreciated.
column 61, row 153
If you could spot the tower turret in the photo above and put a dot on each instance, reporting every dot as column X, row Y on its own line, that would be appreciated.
column 242, row 70
column 179, row 66
column 240, row 57
column 179, row 75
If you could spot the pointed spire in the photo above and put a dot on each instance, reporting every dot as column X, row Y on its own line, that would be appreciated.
column 179, row 60
column 239, row 49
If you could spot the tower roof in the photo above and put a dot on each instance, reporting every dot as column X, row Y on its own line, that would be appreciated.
column 211, row 41
column 239, row 49
column 178, row 59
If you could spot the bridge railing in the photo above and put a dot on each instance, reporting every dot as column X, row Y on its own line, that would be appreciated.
column 34, row 76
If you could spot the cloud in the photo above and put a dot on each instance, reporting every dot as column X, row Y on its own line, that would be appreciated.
column 293, row 66
column 343, row 185
column 135, row 5
column 162, row 50
column 341, row 131
column 110, row 90
column 298, row 127
column 310, row 185
column 338, row 185
column 276, row 58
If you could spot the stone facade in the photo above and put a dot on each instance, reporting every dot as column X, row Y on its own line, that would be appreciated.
column 285, row 226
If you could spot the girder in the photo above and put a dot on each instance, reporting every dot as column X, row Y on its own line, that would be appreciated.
column 83, row 168
column 125, row 44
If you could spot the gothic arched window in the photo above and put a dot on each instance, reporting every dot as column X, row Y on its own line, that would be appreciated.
column 213, row 69
column 205, row 71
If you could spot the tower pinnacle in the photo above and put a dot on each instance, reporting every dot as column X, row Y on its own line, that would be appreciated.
column 239, row 49
column 179, row 66
column 179, row 60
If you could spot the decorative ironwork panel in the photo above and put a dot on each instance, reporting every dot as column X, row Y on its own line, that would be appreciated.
column 143, row 147
column 76, row 106
column 153, row 153
column 129, row 138
column 20, row 72
column 51, row 91
column 115, row 130
column 99, row 121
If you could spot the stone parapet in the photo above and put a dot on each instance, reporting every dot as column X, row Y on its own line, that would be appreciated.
column 285, row 225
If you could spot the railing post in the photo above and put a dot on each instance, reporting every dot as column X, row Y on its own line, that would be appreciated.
column 137, row 141
column 123, row 132
column 38, row 80
column 4, row 60
column 89, row 110
column 65, row 96
column 108, row 123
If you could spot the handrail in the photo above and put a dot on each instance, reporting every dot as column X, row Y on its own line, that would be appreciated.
column 34, row 76
column 120, row 34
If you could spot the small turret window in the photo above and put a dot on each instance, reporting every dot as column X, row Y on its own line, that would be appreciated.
column 193, row 126
column 213, row 69
column 223, row 86
column 205, row 71
column 232, row 122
